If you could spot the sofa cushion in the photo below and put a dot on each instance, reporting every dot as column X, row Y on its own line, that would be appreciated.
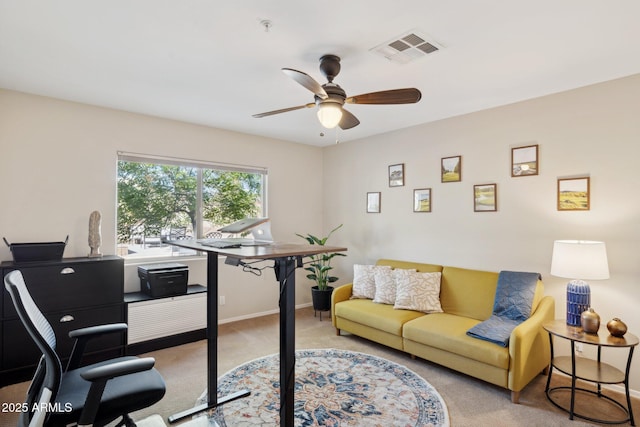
column 364, row 282
column 449, row 332
column 419, row 291
column 385, row 287
column 379, row 316
column 386, row 284
column 468, row 293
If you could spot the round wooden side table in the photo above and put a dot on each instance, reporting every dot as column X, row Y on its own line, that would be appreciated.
column 586, row 369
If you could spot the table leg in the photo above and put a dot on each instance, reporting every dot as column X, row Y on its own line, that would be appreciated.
column 212, row 347
column 599, row 387
column 626, row 387
column 573, row 378
column 546, row 389
column 285, row 273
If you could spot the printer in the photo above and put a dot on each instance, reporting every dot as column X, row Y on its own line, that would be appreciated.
column 163, row 280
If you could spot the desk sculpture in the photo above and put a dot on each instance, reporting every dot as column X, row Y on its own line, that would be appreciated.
column 95, row 234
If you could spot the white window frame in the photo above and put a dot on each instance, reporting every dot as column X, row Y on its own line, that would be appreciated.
column 200, row 165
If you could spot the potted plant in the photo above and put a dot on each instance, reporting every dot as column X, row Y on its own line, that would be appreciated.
column 319, row 269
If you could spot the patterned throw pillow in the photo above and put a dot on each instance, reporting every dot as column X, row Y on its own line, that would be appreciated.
column 386, row 284
column 364, row 282
column 419, row 292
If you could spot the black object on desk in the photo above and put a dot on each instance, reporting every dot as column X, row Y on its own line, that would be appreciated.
column 286, row 257
column 36, row 252
column 163, row 280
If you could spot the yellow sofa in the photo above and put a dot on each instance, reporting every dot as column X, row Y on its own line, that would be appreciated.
column 467, row 298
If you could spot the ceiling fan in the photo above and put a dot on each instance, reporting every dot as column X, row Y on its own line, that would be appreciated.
column 330, row 97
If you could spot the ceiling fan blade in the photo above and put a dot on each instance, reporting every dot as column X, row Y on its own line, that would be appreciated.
column 348, row 120
column 284, row 110
column 307, row 81
column 394, row 96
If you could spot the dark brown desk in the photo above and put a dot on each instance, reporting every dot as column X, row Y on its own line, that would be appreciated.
column 287, row 257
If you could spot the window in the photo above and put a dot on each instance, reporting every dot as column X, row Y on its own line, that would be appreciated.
column 161, row 198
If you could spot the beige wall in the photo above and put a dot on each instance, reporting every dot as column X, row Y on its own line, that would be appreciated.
column 594, row 131
column 58, row 164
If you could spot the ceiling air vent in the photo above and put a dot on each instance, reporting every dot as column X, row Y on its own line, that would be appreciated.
column 407, row 47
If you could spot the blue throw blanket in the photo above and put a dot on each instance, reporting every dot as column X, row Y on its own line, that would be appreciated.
column 512, row 306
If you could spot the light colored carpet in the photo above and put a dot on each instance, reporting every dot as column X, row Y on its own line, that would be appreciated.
column 332, row 388
column 470, row 402
column 151, row 421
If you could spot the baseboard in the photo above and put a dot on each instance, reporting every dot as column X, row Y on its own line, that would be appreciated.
column 260, row 314
column 197, row 335
column 165, row 342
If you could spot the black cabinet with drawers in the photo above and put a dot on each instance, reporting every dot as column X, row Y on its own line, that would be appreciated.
column 72, row 293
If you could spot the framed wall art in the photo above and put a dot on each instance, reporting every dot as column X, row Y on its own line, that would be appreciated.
column 451, row 169
column 373, row 202
column 396, row 175
column 485, row 198
column 524, row 161
column 573, row 194
column 422, row 200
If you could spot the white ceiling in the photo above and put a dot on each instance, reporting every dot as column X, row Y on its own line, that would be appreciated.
column 211, row 62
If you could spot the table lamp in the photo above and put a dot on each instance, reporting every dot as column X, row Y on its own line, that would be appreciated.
column 578, row 260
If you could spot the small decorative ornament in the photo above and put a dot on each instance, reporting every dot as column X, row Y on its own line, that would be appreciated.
column 617, row 327
column 95, row 234
column 590, row 321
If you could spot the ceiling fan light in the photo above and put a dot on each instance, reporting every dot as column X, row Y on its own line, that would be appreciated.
column 329, row 115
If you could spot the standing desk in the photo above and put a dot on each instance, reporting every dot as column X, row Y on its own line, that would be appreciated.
column 287, row 258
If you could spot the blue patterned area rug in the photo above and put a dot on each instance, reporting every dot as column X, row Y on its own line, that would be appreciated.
column 333, row 388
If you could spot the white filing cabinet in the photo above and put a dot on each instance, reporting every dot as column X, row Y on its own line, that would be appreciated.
column 164, row 322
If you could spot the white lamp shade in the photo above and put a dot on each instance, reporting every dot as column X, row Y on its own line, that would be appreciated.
column 329, row 114
column 580, row 259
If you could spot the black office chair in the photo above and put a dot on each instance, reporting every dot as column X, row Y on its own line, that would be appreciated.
column 96, row 394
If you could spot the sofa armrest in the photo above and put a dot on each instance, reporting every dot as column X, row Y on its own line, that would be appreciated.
column 341, row 293
column 529, row 351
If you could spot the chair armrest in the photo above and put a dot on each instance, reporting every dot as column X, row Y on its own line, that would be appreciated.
column 92, row 331
column 529, row 350
column 83, row 335
column 339, row 294
column 118, row 369
column 99, row 376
